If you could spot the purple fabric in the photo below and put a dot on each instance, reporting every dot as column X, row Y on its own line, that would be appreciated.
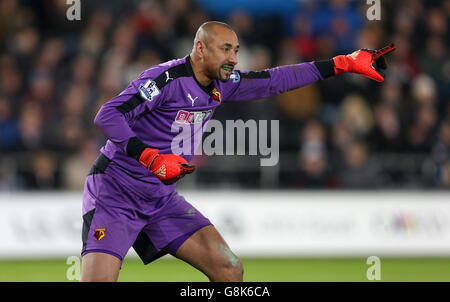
column 122, row 215
column 157, row 121
column 282, row 79
column 173, row 247
column 103, row 251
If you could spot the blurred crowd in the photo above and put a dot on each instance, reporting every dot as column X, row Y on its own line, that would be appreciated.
column 345, row 132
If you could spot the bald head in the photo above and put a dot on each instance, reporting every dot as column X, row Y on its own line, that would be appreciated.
column 214, row 54
column 208, row 30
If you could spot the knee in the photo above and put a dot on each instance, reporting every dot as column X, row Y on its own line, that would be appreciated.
column 91, row 275
column 238, row 271
column 230, row 271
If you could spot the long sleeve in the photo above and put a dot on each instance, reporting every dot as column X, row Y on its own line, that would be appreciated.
column 117, row 117
column 253, row 85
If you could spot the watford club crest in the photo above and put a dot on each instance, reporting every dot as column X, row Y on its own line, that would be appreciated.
column 216, row 95
column 99, row 233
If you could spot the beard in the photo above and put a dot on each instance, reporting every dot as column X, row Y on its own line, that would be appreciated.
column 220, row 74
column 224, row 75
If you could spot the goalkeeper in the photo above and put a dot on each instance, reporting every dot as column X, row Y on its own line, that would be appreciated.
column 129, row 196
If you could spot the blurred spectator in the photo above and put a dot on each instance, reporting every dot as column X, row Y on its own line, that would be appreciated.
column 50, row 55
column 300, row 104
column 74, row 102
column 9, row 132
column 443, row 179
column 391, row 94
column 441, row 149
column 356, row 114
column 9, row 21
column 11, row 81
column 370, row 37
column 357, row 170
column 243, row 24
column 41, row 91
column 145, row 58
column 7, row 175
column 418, row 135
column 312, row 158
column 30, row 126
column 339, row 19
column 304, row 42
column 83, row 70
column 23, row 45
column 40, row 172
column 424, row 90
column 341, row 139
column 76, row 167
column 440, row 156
column 404, row 66
column 386, row 134
column 68, row 136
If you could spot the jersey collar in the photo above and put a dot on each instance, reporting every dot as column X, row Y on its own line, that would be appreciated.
column 208, row 89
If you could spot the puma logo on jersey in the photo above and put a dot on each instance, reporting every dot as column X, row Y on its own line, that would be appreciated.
column 161, row 172
column 192, row 100
column 168, row 78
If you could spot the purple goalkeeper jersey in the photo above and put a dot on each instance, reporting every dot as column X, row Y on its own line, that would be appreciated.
column 167, row 98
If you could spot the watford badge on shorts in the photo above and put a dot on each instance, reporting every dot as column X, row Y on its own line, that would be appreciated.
column 99, row 233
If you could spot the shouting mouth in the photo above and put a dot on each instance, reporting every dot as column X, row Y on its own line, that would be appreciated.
column 227, row 68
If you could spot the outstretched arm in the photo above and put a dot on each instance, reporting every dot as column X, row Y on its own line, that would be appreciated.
column 252, row 85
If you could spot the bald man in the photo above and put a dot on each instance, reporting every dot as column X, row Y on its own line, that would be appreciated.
column 129, row 197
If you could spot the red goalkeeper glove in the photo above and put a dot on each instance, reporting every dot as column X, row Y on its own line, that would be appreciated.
column 361, row 62
column 167, row 167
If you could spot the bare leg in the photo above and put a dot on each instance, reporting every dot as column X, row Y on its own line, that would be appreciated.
column 207, row 251
column 99, row 267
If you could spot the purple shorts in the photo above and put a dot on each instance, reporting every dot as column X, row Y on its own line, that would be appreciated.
column 115, row 219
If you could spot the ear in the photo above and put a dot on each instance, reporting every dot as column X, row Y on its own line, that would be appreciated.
column 200, row 48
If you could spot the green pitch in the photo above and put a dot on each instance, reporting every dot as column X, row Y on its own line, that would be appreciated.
column 258, row 270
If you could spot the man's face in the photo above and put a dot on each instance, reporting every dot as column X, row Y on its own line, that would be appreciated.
column 220, row 56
